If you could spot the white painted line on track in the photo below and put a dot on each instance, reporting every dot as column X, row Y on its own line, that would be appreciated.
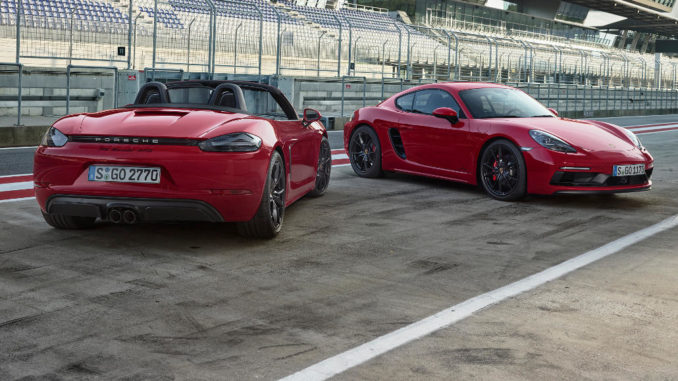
column 17, row 199
column 640, row 129
column 11, row 148
column 24, row 174
column 358, row 355
column 657, row 132
column 339, row 156
column 16, row 186
column 341, row 165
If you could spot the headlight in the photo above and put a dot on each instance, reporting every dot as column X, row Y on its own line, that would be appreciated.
column 551, row 142
column 633, row 138
column 54, row 138
column 236, row 142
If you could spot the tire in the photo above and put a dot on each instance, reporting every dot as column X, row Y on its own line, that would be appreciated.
column 322, row 177
column 268, row 220
column 60, row 221
column 502, row 172
column 364, row 152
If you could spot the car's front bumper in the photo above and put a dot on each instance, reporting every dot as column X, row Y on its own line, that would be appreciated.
column 544, row 167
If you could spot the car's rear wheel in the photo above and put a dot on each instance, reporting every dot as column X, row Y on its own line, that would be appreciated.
column 322, row 177
column 364, row 152
column 502, row 171
column 268, row 220
column 68, row 222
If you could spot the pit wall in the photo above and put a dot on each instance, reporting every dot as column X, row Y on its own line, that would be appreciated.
column 44, row 96
column 571, row 101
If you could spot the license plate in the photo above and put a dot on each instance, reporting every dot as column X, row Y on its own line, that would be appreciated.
column 628, row 170
column 144, row 175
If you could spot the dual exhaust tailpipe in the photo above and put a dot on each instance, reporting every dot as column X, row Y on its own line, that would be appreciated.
column 122, row 216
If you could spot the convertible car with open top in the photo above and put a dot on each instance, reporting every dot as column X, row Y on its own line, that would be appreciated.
column 187, row 151
column 496, row 136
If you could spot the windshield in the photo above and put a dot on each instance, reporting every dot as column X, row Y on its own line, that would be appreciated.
column 496, row 102
column 190, row 95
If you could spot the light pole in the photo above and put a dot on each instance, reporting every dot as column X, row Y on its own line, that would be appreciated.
column 235, row 48
column 355, row 55
column 134, row 60
column 435, row 62
column 383, row 61
column 320, row 38
column 129, row 33
column 188, row 48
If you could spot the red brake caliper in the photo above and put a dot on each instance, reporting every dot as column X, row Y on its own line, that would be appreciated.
column 494, row 177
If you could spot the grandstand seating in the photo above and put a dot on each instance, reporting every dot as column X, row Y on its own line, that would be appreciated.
column 96, row 11
column 376, row 39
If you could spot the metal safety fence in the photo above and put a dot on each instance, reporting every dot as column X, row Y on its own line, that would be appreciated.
column 257, row 38
column 282, row 38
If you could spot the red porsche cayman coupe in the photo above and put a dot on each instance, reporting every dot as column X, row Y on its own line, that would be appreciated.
column 186, row 151
column 496, row 136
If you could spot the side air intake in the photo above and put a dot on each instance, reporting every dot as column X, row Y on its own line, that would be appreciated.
column 397, row 142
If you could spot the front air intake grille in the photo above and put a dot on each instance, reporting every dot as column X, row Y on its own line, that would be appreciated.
column 593, row 179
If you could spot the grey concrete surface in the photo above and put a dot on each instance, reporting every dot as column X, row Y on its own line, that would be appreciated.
column 195, row 301
column 641, row 120
column 16, row 161
column 615, row 319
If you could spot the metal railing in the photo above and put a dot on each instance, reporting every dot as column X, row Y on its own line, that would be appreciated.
column 256, row 38
column 260, row 38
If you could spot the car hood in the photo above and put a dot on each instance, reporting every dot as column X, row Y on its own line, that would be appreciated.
column 582, row 135
column 151, row 122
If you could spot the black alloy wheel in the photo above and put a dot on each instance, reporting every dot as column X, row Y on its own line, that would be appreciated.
column 322, row 177
column 268, row 220
column 364, row 152
column 502, row 171
column 277, row 194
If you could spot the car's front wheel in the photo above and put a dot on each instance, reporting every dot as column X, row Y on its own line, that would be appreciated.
column 322, row 177
column 268, row 220
column 502, row 171
column 364, row 152
column 68, row 222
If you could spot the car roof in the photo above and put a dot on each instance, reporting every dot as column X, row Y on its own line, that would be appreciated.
column 458, row 86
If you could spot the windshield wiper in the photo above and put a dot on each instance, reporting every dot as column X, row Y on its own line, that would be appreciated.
column 503, row 116
column 542, row 116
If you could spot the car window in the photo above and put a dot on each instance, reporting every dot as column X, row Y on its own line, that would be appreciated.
column 261, row 103
column 425, row 101
column 190, row 95
column 494, row 102
column 405, row 102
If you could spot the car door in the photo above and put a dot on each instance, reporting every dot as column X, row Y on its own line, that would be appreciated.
column 434, row 142
column 302, row 144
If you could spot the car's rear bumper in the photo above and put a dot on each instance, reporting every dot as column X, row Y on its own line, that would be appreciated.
column 145, row 210
column 230, row 183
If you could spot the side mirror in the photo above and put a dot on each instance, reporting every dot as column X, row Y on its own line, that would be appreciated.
column 310, row 116
column 446, row 113
column 554, row 111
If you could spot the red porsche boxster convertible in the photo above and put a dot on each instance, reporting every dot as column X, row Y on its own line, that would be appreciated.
column 186, row 151
column 496, row 136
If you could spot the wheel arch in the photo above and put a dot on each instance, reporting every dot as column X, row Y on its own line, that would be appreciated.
column 370, row 126
column 489, row 141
